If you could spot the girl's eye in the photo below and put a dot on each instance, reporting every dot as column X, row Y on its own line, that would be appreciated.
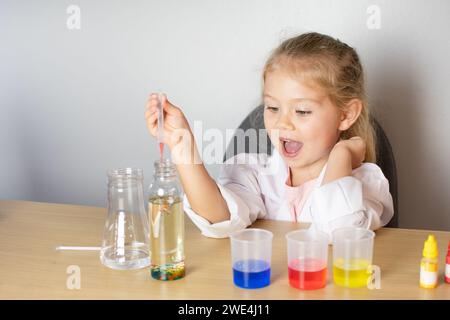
column 273, row 109
column 303, row 112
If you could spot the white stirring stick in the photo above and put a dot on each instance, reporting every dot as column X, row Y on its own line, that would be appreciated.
column 74, row 248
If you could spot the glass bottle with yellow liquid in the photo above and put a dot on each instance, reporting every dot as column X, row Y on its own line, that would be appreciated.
column 166, row 219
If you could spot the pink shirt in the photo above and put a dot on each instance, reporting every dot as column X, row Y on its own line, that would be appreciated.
column 297, row 196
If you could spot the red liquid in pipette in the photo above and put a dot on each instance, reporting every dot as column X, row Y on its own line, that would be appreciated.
column 161, row 150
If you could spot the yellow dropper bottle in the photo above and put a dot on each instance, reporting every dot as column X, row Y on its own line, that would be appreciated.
column 429, row 264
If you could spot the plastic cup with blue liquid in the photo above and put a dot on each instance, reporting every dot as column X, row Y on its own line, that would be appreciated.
column 251, row 252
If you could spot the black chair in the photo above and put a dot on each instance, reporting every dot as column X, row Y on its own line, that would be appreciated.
column 385, row 156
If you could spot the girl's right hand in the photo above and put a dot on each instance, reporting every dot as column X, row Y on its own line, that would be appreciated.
column 176, row 126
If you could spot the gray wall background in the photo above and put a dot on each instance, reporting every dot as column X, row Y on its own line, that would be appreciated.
column 72, row 101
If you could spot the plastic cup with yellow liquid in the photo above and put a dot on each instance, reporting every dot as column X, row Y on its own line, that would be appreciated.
column 352, row 256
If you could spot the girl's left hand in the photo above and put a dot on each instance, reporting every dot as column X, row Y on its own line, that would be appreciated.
column 356, row 146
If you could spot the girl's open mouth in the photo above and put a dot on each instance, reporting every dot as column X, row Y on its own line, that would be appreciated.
column 290, row 147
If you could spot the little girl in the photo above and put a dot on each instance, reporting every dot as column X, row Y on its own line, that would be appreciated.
column 322, row 169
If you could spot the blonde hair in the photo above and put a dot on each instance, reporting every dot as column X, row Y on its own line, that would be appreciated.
column 335, row 67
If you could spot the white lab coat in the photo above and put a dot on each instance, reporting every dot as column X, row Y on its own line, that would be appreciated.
column 253, row 187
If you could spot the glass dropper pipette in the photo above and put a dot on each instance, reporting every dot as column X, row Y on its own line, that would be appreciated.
column 160, row 127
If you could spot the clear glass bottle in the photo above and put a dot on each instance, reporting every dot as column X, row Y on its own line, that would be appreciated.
column 166, row 219
column 125, row 243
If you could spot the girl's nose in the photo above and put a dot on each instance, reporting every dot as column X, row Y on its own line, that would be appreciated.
column 284, row 123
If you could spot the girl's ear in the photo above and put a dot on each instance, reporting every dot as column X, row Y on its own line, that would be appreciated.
column 350, row 114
